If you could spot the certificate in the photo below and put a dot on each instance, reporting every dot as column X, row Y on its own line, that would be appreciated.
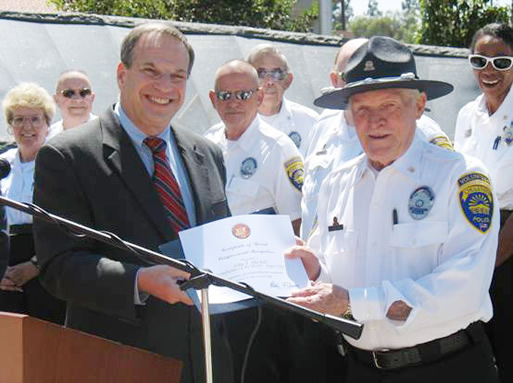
column 246, row 248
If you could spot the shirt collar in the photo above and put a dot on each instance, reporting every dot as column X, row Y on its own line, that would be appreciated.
column 135, row 134
column 408, row 164
column 249, row 138
column 504, row 110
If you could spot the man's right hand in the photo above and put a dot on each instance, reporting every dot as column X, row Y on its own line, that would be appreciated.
column 162, row 282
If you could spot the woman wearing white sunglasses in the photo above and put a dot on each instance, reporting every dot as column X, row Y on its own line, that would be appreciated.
column 484, row 129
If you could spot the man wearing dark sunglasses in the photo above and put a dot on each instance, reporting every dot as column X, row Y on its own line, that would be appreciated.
column 264, row 169
column 264, row 172
column 275, row 78
column 74, row 97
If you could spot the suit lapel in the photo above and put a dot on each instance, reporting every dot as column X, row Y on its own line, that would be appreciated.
column 121, row 156
column 197, row 171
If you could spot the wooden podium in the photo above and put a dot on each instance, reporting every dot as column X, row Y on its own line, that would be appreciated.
column 35, row 351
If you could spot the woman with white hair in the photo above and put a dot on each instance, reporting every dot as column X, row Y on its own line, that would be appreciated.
column 28, row 109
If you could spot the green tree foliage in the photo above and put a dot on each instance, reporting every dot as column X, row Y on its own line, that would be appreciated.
column 274, row 14
column 410, row 5
column 337, row 13
column 399, row 25
column 410, row 20
column 365, row 26
column 373, row 10
column 454, row 22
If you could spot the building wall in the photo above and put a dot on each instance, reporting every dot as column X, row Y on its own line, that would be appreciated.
column 39, row 47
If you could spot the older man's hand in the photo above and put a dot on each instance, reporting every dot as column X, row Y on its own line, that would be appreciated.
column 322, row 297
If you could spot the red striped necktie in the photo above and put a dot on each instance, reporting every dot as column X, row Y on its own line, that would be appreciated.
column 166, row 185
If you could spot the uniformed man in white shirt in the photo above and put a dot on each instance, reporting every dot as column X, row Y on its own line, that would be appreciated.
column 264, row 172
column 333, row 141
column 74, row 97
column 264, row 169
column 407, row 234
column 275, row 77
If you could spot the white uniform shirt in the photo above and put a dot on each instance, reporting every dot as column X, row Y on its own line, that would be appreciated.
column 334, row 142
column 296, row 121
column 18, row 186
column 264, row 169
column 337, row 145
column 489, row 138
column 440, row 264
column 57, row 127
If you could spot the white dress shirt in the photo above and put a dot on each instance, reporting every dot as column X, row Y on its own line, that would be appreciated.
column 264, row 170
column 296, row 121
column 440, row 263
column 18, row 186
column 57, row 127
column 489, row 138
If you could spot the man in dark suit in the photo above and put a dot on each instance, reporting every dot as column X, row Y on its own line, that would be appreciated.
column 101, row 176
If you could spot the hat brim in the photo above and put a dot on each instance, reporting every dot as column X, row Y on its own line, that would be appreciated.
column 338, row 98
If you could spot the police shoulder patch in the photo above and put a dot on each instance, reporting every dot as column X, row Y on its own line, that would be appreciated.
column 443, row 142
column 476, row 200
column 295, row 171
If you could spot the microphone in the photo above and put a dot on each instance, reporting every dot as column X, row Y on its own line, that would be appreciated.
column 5, row 168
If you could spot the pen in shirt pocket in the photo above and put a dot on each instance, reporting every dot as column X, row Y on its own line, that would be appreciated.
column 395, row 219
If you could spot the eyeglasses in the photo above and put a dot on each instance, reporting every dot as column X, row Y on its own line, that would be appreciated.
column 69, row 93
column 36, row 121
column 275, row 74
column 242, row 95
column 500, row 63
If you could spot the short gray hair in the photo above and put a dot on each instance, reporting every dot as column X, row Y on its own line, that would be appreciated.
column 130, row 41
column 267, row 49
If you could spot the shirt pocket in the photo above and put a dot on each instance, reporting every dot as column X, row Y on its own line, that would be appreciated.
column 419, row 234
column 242, row 187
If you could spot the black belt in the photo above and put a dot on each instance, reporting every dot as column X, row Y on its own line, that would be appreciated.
column 420, row 354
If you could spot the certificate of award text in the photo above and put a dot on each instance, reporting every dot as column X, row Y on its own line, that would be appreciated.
column 249, row 249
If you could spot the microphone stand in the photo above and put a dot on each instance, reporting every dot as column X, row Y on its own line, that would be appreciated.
column 199, row 280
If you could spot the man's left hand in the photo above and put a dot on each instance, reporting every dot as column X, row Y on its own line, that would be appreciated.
column 22, row 273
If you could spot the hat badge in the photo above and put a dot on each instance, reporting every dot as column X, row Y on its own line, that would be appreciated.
column 369, row 66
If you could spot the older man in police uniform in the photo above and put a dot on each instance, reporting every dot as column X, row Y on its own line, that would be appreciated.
column 407, row 235
column 333, row 140
column 275, row 77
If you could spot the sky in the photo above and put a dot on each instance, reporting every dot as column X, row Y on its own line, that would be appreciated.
column 360, row 6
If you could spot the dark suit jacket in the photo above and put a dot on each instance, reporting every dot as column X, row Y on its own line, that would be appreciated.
column 94, row 176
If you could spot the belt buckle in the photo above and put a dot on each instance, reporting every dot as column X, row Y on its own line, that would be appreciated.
column 376, row 360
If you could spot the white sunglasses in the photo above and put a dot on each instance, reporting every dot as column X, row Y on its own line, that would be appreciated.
column 500, row 63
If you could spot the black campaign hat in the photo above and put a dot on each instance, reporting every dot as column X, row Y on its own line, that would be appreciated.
column 381, row 63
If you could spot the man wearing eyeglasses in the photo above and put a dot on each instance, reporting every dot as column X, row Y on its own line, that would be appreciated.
column 74, row 97
column 264, row 168
column 264, row 175
column 275, row 78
